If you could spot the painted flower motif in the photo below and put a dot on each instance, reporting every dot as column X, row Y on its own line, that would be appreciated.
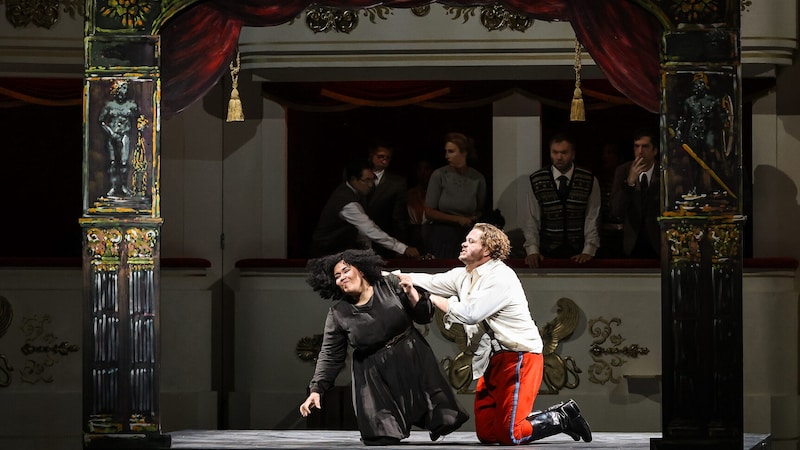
column 131, row 13
column 694, row 10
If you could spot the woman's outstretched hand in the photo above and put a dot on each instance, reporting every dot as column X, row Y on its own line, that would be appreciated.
column 311, row 402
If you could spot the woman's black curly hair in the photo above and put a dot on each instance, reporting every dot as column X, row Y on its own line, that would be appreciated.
column 320, row 270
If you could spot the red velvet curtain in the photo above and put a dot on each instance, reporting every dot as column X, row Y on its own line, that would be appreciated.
column 197, row 46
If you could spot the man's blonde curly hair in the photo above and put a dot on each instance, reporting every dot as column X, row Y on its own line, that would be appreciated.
column 495, row 240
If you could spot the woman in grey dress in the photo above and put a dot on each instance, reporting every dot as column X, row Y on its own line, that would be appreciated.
column 455, row 199
column 397, row 382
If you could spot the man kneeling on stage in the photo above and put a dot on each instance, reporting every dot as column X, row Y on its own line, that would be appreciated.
column 508, row 363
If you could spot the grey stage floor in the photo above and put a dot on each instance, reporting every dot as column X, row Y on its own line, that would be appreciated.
column 419, row 440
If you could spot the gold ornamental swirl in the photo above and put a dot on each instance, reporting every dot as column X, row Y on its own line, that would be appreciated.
column 559, row 373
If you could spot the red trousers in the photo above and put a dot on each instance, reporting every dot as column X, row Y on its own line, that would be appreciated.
column 504, row 397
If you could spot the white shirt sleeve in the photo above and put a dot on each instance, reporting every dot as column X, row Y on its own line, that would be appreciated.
column 591, row 237
column 354, row 214
column 530, row 222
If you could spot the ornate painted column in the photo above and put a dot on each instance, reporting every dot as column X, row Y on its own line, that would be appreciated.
column 702, row 226
column 121, row 227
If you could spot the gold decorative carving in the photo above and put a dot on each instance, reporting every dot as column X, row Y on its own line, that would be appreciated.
column 6, row 317
column 606, row 359
column 421, row 11
column 684, row 240
column 559, row 373
column 696, row 11
column 5, row 372
column 131, row 14
column 459, row 367
column 377, row 12
column 496, row 17
column 39, row 341
column 461, row 11
column 103, row 423
column 40, row 13
column 137, row 422
column 725, row 240
column 321, row 20
column 139, row 160
column 103, row 243
column 141, row 242
column 308, row 347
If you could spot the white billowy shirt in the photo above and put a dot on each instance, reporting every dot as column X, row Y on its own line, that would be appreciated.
column 492, row 292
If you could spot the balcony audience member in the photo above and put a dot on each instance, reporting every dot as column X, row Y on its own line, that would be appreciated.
column 344, row 224
column 386, row 204
column 456, row 197
column 563, row 208
column 397, row 381
column 636, row 195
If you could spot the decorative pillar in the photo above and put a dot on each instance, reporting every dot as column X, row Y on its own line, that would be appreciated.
column 702, row 228
column 121, row 228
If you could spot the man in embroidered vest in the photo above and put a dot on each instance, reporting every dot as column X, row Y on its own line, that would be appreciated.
column 508, row 363
column 563, row 209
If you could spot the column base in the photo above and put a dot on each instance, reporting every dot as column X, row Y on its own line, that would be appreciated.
column 126, row 441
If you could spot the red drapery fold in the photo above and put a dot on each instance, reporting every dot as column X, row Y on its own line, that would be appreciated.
column 197, row 45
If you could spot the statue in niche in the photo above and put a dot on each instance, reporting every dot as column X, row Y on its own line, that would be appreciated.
column 704, row 130
column 117, row 118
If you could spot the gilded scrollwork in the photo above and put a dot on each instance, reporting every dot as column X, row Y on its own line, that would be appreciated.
column 497, row 17
column 42, row 348
column 41, row 13
column 6, row 317
column 606, row 359
column 321, row 19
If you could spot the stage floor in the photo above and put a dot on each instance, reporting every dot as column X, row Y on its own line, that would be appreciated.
column 306, row 439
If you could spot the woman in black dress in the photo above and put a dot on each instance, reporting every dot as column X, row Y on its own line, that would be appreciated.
column 397, row 382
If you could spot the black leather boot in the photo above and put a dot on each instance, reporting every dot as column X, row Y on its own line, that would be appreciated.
column 560, row 418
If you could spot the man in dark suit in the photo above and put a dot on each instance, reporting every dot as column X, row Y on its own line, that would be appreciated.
column 386, row 204
column 343, row 223
column 635, row 197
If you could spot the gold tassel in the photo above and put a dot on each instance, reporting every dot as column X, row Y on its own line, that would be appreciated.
column 577, row 112
column 235, row 113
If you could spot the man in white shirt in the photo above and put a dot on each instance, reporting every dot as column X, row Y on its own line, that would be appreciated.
column 563, row 208
column 344, row 224
column 508, row 363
